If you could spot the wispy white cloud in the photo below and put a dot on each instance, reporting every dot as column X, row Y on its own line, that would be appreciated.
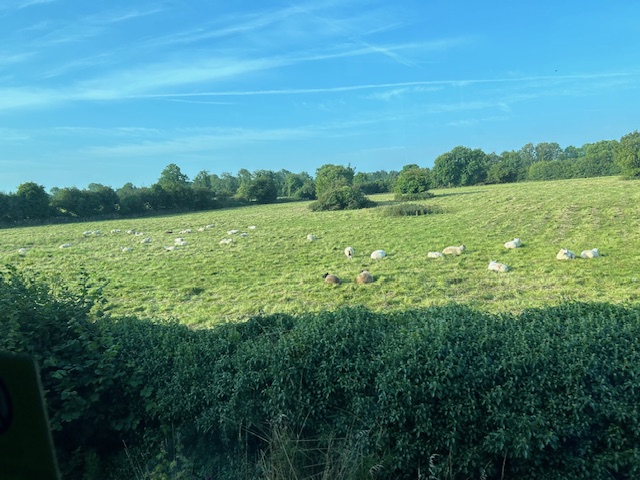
column 20, row 4
column 147, row 83
column 183, row 144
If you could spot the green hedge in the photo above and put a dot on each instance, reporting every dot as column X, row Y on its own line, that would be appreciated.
column 449, row 392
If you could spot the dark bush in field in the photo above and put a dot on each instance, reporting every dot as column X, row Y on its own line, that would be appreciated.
column 449, row 392
column 410, row 210
column 343, row 198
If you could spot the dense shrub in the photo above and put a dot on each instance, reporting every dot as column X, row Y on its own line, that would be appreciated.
column 550, row 393
column 410, row 209
column 343, row 198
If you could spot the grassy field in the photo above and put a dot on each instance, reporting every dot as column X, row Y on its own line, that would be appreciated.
column 275, row 269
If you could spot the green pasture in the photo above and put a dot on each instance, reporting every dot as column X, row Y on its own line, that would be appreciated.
column 276, row 269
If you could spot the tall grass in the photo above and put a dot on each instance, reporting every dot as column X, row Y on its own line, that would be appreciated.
column 275, row 269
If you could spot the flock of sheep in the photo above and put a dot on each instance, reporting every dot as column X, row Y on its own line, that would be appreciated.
column 178, row 242
column 495, row 266
column 364, row 277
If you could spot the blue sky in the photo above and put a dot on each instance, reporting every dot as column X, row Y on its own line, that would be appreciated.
column 113, row 91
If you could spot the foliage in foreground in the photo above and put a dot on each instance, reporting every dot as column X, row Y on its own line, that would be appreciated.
column 449, row 392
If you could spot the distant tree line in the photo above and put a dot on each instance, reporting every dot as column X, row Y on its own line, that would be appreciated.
column 334, row 186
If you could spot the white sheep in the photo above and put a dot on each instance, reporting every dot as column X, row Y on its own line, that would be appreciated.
column 115, row 230
column 593, row 253
column 251, row 227
column 186, row 230
column 233, row 232
column 22, row 251
column 201, row 229
column 565, row 254
column 226, row 241
column 211, row 225
column 65, row 245
column 454, row 250
column 515, row 243
column 378, row 254
column 435, row 255
column 126, row 249
column 349, row 252
column 145, row 240
column 311, row 237
column 169, row 248
column 497, row 266
column 87, row 233
column 180, row 242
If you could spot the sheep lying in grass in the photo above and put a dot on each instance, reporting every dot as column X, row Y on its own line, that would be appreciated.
column 145, row 240
column 126, row 249
column 454, row 250
column 515, row 243
column 226, row 241
column 170, row 248
column 593, row 253
column 349, row 252
column 311, row 237
column 22, row 251
column 233, row 232
column 497, row 266
column 332, row 279
column 364, row 277
column 378, row 254
column 435, row 255
column 180, row 242
column 65, row 245
column 565, row 254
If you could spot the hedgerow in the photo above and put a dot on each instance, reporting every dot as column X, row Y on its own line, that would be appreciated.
column 445, row 392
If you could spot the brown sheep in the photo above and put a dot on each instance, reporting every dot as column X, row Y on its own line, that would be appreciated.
column 364, row 277
column 332, row 279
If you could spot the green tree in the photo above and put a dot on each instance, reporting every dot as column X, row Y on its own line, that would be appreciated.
column 331, row 177
column 176, row 188
column 546, row 151
column 628, row 155
column 263, row 187
column 598, row 160
column 553, row 170
column 299, row 185
column 413, row 181
column 461, row 166
column 70, row 201
column 33, row 200
column 202, row 180
column 171, row 177
column 504, row 168
column 105, row 198
column 132, row 199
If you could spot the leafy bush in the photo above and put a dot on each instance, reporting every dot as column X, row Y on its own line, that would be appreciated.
column 343, row 198
column 56, row 325
column 550, row 393
column 410, row 209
